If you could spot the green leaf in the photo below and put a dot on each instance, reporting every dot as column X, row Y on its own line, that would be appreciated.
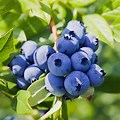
column 80, row 3
column 111, row 84
column 59, row 11
column 20, row 35
column 46, row 104
column 33, row 8
column 45, row 7
column 2, row 84
column 6, row 5
column 98, row 26
column 111, row 15
column 38, row 92
column 54, row 109
column 112, row 80
column 75, row 12
column 20, row 103
column 116, row 31
column 6, row 45
column 115, row 3
column 10, row 80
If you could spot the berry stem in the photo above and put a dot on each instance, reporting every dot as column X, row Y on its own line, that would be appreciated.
column 7, row 94
column 64, row 109
column 54, row 31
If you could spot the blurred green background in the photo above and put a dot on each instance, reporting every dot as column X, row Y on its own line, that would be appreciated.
column 103, row 107
column 30, row 20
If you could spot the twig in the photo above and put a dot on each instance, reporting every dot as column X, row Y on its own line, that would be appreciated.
column 54, row 31
column 7, row 94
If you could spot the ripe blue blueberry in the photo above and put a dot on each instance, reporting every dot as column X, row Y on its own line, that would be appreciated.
column 88, row 51
column 76, row 29
column 32, row 73
column 59, row 64
column 55, row 84
column 10, row 118
column 18, row 65
column 28, row 49
column 80, row 61
column 91, row 41
column 22, row 83
column 69, row 96
column 94, row 59
column 67, row 44
column 41, row 56
column 76, row 83
column 95, row 75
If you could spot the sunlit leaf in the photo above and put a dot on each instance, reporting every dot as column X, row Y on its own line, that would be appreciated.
column 115, row 3
column 6, row 5
column 116, row 31
column 79, row 3
column 20, row 102
column 54, row 109
column 33, row 8
column 97, row 25
column 6, row 45
column 115, row 13
column 20, row 35
column 38, row 92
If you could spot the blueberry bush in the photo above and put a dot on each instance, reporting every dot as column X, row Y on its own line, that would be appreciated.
column 59, row 59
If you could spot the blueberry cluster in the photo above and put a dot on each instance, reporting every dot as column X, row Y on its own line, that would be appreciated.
column 71, row 70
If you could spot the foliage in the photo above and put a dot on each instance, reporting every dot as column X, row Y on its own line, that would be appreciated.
column 29, row 19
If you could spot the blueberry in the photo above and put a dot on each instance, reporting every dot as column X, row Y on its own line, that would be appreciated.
column 28, row 49
column 22, row 83
column 41, row 56
column 91, row 41
column 67, row 44
column 96, row 75
column 94, row 59
column 77, row 30
column 18, row 65
column 69, row 96
column 10, row 118
column 88, row 51
column 80, row 61
column 76, row 83
column 55, row 84
column 32, row 73
column 59, row 64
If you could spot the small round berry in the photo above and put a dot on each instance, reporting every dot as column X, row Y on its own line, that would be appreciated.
column 41, row 56
column 22, row 83
column 59, row 64
column 80, row 61
column 96, row 75
column 76, row 83
column 18, row 65
column 32, row 73
column 28, row 49
column 67, row 44
column 91, row 41
column 55, row 84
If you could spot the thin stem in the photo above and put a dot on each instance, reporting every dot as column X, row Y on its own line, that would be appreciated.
column 54, row 31
column 64, row 109
column 7, row 94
